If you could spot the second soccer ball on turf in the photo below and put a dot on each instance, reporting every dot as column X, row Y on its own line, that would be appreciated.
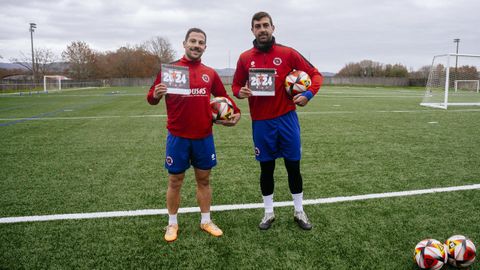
column 430, row 254
column 222, row 108
column 297, row 82
column 461, row 251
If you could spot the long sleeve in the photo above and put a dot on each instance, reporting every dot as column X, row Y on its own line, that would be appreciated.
column 240, row 77
column 151, row 100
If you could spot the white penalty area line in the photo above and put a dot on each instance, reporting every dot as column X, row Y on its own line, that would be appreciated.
column 230, row 207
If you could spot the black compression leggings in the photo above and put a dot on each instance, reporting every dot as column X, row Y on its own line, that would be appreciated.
column 267, row 184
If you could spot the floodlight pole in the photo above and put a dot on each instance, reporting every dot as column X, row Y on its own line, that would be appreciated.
column 456, row 40
column 32, row 29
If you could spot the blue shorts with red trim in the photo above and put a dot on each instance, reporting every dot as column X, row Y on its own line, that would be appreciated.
column 181, row 152
column 277, row 138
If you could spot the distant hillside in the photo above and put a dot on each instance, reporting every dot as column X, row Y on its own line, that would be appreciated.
column 53, row 67
column 225, row 71
column 11, row 66
column 231, row 71
column 328, row 74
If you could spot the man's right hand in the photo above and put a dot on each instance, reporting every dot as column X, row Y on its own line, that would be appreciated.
column 159, row 91
column 244, row 92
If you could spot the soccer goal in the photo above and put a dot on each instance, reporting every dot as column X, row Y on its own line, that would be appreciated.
column 453, row 81
column 52, row 82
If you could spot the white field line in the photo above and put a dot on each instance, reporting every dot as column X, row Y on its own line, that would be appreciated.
column 230, row 207
column 244, row 114
column 83, row 117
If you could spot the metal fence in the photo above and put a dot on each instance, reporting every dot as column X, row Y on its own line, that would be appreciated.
column 25, row 85
column 367, row 81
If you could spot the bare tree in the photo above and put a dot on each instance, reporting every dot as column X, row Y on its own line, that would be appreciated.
column 44, row 60
column 160, row 47
column 81, row 60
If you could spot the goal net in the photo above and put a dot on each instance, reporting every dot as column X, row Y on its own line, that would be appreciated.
column 467, row 85
column 52, row 82
column 453, row 81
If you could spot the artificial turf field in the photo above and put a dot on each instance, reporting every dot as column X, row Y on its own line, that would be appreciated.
column 102, row 150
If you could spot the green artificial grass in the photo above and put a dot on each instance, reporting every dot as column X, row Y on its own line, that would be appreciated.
column 102, row 150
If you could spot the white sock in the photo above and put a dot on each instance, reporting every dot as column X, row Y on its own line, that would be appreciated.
column 172, row 219
column 298, row 202
column 205, row 218
column 268, row 203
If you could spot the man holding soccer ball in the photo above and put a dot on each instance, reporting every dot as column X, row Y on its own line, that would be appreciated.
column 189, row 124
column 276, row 129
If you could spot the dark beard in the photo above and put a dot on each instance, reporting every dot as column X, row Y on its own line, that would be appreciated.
column 264, row 46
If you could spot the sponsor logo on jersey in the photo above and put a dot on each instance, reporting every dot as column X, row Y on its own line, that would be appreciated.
column 169, row 160
column 205, row 78
column 277, row 61
column 198, row 91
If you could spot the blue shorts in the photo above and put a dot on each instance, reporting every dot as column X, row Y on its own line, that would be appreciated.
column 182, row 152
column 278, row 137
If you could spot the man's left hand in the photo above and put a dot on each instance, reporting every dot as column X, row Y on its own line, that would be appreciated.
column 230, row 122
column 300, row 100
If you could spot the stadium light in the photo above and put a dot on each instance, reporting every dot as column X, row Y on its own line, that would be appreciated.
column 456, row 40
column 32, row 29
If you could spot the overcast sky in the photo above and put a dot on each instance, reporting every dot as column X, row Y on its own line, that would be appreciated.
column 328, row 33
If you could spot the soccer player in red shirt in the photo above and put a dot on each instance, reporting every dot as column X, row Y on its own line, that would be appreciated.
column 189, row 124
column 275, row 125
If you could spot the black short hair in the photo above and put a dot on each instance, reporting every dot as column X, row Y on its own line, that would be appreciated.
column 259, row 15
column 196, row 30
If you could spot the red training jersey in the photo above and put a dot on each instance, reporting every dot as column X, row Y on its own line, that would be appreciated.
column 190, row 116
column 283, row 59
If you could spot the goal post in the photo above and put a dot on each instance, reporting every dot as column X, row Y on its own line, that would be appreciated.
column 454, row 80
column 52, row 82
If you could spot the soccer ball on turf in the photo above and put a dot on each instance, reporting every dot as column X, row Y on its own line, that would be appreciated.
column 430, row 254
column 297, row 82
column 222, row 108
column 461, row 251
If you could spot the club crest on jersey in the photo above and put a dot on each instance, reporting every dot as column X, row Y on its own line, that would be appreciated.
column 169, row 160
column 252, row 64
column 205, row 78
column 277, row 61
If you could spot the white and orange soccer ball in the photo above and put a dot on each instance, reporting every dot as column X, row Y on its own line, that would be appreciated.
column 222, row 108
column 297, row 82
column 461, row 251
column 430, row 254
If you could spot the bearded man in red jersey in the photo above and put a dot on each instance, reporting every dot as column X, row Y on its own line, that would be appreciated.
column 189, row 124
column 275, row 125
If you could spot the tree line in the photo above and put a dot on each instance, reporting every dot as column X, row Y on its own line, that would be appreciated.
column 80, row 62
column 369, row 68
